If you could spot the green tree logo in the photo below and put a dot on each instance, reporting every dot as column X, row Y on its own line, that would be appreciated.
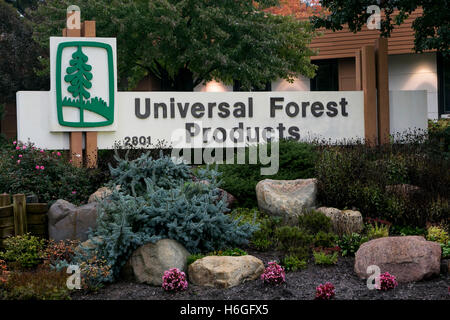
column 78, row 75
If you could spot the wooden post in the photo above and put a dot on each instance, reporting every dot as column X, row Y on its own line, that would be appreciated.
column 20, row 214
column 381, row 53
column 5, row 200
column 370, row 95
column 358, row 70
column 76, row 138
column 88, row 30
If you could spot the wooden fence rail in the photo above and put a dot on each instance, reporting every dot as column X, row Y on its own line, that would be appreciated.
column 19, row 217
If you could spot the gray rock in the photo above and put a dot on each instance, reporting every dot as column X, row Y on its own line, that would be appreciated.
column 101, row 194
column 409, row 258
column 344, row 221
column 286, row 198
column 148, row 263
column 69, row 222
column 225, row 271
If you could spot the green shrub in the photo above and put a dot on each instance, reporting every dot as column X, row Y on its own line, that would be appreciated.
column 27, row 169
column 294, row 241
column 349, row 244
column 324, row 239
column 445, row 250
column 293, row 263
column 323, row 258
column 377, row 230
column 194, row 257
column 158, row 199
column 370, row 178
column 296, row 162
column 263, row 238
column 314, row 222
column 408, row 231
column 437, row 234
column 24, row 250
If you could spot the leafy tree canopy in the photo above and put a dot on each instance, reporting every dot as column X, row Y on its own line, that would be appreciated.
column 432, row 29
column 186, row 42
column 18, row 54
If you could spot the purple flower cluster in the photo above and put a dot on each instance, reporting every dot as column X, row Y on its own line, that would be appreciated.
column 387, row 281
column 174, row 280
column 273, row 274
column 325, row 291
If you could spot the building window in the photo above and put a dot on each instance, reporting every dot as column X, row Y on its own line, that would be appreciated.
column 237, row 87
column 327, row 77
column 444, row 84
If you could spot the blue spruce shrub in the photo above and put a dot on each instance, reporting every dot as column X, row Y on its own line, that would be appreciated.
column 160, row 199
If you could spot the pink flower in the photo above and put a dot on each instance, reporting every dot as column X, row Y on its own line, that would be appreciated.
column 41, row 151
column 17, row 148
column 37, row 167
column 14, row 142
column 24, row 147
column 58, row 153
column 42, row 167
column 274, row 274
column 20, row 156
column 325, row 291
column 174, row 280
column 18, row 161
column 74, row 192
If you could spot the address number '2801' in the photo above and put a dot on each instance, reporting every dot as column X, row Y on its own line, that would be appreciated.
column 134, row 141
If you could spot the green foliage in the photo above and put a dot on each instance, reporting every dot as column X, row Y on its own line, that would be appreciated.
column 296, row 161
column 55, row 179
column 445, row 250
column 314, row 222
column 24, row 250
column 184, row 43
column 375, row 230
column 293, row 263
column 134, row 176
column 349, row 244
column 437, row 234
column 262, row 239
column 42, row 284
column 323, row 258
column 372, row 179
column 408, row 231
column 227, row 252
column 194, row 257
column 431, row 28
column 19, row 55
column 294, row 241
column 158, row 199
column 324, row 239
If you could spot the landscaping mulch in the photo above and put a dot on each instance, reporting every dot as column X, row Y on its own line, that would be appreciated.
column 299, row 285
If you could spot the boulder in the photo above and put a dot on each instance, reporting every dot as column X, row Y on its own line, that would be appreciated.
column 409, row 258
column 69, row 222
column 101, row 194
column 148, row 263
column 231, row 200
column 344, row 221
column 225, row 271
column 286, row 198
